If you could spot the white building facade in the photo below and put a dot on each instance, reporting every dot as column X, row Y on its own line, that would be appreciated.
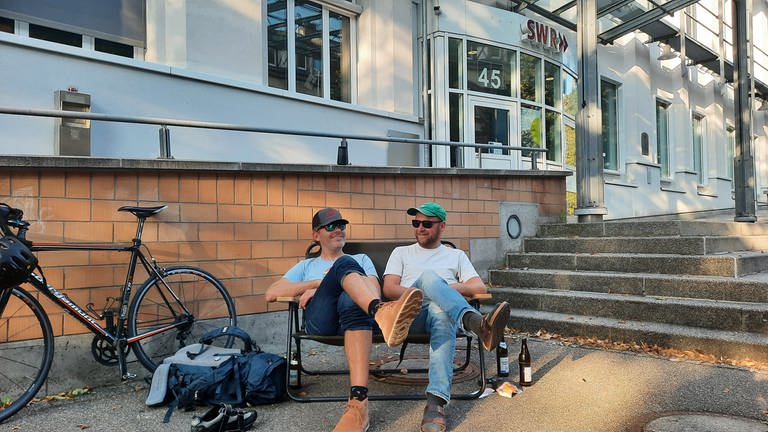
column 471, row 71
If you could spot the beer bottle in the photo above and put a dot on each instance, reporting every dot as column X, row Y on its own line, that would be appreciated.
column 524, row 359
column 294, row 375
column 502, row 359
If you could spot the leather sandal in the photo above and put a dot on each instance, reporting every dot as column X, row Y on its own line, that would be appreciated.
column 433, row 419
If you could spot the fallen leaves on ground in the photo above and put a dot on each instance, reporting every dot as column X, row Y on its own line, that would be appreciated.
column 640, row 347
column 67, row 395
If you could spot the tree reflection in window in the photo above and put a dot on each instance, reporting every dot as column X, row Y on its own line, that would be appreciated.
column 530, row 127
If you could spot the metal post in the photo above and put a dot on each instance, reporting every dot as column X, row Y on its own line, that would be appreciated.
column 590, row 205
column 165, row 142
column 342, row 157
column 744, row 164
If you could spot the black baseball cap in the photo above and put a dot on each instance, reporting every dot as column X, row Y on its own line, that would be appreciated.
column 325, row 216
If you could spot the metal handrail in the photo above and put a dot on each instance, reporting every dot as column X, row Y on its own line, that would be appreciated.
column 165, row 122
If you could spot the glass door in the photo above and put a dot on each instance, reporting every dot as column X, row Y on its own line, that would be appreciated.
column 492, row 122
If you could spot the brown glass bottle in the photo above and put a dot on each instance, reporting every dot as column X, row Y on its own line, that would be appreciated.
column 294, row 377
column 502, row 359
column 524, row 359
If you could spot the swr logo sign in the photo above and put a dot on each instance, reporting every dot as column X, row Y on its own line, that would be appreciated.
column 545, row 36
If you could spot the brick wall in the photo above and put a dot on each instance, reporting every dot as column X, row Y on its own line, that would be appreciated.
column 247, row 228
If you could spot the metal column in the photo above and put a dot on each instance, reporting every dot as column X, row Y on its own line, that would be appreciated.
column 744, row 163
column 590, row 204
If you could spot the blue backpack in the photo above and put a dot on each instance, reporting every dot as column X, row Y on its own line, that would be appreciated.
column 204, row 374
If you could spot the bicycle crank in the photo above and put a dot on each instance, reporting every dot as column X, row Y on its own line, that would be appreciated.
column 105, row 352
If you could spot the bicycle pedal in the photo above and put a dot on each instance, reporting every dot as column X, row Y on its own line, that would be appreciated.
column 128, row 376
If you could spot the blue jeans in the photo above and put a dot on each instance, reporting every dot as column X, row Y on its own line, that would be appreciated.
column 331, row 311
column 440, row 316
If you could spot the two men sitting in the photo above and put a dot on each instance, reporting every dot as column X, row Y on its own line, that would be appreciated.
column 340, row 294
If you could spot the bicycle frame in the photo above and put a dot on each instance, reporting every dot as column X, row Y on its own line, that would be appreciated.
column 119, row 337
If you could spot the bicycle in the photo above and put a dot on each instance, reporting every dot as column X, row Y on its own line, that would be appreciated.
column 173, row 307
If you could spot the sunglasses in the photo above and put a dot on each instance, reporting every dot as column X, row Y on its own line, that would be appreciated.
column 331, row 227
column 426, row 223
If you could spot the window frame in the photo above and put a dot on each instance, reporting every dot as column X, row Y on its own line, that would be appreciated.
column 610, row 146
column 662, row 139
column 698, row 145
column 328, row 7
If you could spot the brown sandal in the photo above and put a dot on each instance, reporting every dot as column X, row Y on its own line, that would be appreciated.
column 433, row 419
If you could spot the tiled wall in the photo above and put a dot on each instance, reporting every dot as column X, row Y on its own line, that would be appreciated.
column 246, row 228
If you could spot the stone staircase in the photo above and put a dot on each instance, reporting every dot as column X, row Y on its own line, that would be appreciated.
column 692, row 285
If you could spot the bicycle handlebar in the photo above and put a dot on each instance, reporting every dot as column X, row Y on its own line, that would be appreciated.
column 12, row 217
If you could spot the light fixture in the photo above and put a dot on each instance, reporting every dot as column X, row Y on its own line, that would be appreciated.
column 667, row 53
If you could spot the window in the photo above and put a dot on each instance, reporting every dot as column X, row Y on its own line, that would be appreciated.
column 553, row 136
column 6, row 25
column 456, row 113
column 552, row 90
column 490, row 69
column 455, row 64
column 277, row 44
column 491, row 127
column 530, row 78
column 698, row 146
column 530, row 127
column 730, row 149
column 570, row 144
column 570, row 95
column 117, row 26
column 610, row 136
column 311, row 69
column 55, row 35
column 662, row 137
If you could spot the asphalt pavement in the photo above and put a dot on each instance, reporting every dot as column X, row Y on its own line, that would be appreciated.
column 575, row 389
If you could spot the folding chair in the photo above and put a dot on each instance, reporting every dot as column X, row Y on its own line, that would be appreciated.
column 379, row 253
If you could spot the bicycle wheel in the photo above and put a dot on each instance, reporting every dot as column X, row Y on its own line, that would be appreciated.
column 26, row 350
column 186, row 300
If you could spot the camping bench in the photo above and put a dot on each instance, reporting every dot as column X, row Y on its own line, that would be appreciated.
column 379, row 253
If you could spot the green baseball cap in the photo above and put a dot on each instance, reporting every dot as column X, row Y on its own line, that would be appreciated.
column 429, row 209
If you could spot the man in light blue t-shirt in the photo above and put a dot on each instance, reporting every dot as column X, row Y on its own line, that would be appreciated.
column 445, row 275
column 340, row 294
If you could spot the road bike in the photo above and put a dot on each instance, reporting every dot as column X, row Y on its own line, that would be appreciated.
column 172, row 308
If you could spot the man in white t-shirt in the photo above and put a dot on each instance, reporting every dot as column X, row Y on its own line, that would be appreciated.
column 444, row 275
column 340, row 294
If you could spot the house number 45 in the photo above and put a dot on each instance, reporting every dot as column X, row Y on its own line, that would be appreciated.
column 490, row 78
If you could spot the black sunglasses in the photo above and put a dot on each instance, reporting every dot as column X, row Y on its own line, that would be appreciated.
column 426, row 223
column 331, row 227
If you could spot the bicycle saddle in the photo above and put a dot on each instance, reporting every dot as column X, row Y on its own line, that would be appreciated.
column 143, row 212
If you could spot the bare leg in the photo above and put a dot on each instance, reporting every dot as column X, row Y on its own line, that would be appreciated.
column 357, row 347
column 360, row 289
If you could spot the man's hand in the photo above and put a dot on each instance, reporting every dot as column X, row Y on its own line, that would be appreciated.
column 306, row 296
column 286, row 288
column 473, row 286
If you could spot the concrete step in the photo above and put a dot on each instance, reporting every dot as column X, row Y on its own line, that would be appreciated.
column 734, row 345
column 708, row 314
column 732, row 265
column 652, row 229
column 693, row 245
column 754, row 288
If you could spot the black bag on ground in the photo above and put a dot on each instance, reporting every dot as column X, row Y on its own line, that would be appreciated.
column 204, row 374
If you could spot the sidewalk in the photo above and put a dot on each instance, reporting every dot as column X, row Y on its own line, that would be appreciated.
column 575, row 389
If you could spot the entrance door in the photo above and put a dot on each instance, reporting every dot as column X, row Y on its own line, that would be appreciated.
column 492, row 122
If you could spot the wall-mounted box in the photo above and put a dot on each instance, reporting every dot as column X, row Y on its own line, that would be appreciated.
column 73, row 135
